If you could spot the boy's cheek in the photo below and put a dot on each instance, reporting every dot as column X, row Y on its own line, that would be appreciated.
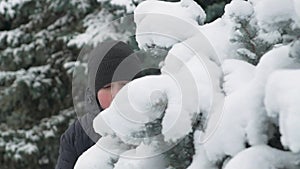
column 104, row 98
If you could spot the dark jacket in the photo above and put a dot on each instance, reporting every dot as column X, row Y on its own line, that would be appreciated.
column 79, row 137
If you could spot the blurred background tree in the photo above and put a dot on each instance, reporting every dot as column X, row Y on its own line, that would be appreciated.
column 39, row 44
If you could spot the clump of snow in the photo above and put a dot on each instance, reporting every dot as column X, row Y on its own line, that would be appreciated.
column 197, row 78
column 27, row 148
column 11, row 37
column 48, row 133
column 219, row 33
column 271, row 12
column 59, row 22
column 237, row 73
column 278, row 58
column 270, row 36
column 239, row 8
column 101, row 20
column 174, row 19
column 73, row 65
column 102, row 154
column 8, row 7
column 20, row 148
column 185, row 10
column 33, row 74
column 134, row 106
column 15, row 54
column 30, row 135
column 246, row 53
column 282, row 96
column 244, row 114
column 262, row 157
column 32, row 77
column 173, row 25
column 144, row 158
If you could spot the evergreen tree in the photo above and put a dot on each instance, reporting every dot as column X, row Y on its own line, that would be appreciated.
column 258, row 126
column 35, row 96
column 39, row 45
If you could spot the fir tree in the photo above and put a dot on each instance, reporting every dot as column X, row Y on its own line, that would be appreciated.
column 39, row 44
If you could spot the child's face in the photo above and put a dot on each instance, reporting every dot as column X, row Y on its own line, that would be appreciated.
column 108, row 92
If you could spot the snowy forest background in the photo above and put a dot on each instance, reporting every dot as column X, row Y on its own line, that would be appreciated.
column 41, row 40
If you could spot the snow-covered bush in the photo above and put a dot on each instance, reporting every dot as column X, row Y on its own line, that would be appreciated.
column 247, row 56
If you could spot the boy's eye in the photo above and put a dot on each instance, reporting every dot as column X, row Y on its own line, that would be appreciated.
column 123, row 84
column 106, row 87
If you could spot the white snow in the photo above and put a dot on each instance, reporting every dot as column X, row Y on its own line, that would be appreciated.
column 244, row 114
column 11, row 37
column 239, row 8
column 48, row 133
column 282, row 97
column 99, row 27
column 144, row 158
column 218, row 33
column 185, row 86
column 137, row 103
column 33, row 76
column 59, row 22
column 173, row 25
column 271, row 12
column 270, row 37
column 102, row 154
column 237, row 74
column 17, row 149
column 173, row 20
column 31, row 135
column 247, row 53
column 27, row 148
column 197, row 78
column 7, row 7
column 263, row 157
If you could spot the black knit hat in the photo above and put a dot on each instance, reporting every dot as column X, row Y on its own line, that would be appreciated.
column 111, row 61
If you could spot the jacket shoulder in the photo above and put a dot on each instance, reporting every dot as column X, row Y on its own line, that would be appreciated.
column 74, row 142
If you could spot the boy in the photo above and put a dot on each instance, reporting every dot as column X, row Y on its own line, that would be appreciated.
column 104, row 82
